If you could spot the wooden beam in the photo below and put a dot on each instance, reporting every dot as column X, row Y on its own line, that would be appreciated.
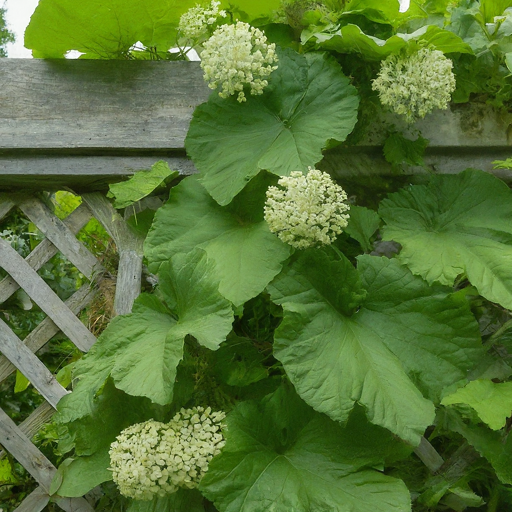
column 97, row 104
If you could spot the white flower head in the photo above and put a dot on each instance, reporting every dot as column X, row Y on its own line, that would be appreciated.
column 236, row 56
column 415, row 85
column 195, row 24
column 309, row 210
column 155, row 459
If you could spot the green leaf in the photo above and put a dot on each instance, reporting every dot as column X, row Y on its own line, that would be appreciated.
column 362, row 224
column 351, row 39
column 308, row 102
column 456, row 225
column 400, row 150
column 275, row 459
column 103, row 30
column 6, row 474
column 245, row 254
column 339, row 349
column 188, row 287
column 492, row 8
column 183, row 500
column 141, row 184
column 21, row 383
column 76, row 477
column 239, row 363
column 491, row 401
column 142, row 350
column 490, row 444
column 374, row 10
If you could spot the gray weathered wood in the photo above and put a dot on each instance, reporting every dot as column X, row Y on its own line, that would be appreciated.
column 43, row 333
column 128, row 282
column 6, row 204
column 61, row 236
column 428, row 455
column 31, row 425
column 35, row 501
column 20, row 447
column 45, row 250
column 85, row 104
column 45, row 297
column 129, row 246
column 79, row 173
column 28, row 364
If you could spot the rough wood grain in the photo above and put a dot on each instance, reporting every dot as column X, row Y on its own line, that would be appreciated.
column 46, row 250
column 428, row 455
column 84, row 104
column 31, row 425
column 79, row 173
column 30, row 366
column 20, row 447
column 34, row 502
column 129, row 246
column 45, row 297
column 61, row 236
column 6, row 204
column 45, row 331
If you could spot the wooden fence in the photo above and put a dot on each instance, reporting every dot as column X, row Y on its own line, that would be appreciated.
column 78, row 125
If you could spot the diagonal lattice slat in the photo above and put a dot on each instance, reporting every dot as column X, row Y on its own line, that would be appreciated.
column 45, row 297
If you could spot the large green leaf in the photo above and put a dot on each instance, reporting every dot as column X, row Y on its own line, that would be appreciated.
column 76, row 477
column 308, row 102
column 236, row 238
column 275, row 459
column 142, row 350
column 351, row 39
column 491, row 401
column 456, row 225
column 183, row 500
column 338, row 348
column 103, row 29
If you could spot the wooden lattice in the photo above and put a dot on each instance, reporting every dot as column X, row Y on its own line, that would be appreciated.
column 61, row 316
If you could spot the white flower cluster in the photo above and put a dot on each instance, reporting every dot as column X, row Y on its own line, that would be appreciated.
column 235, row 56
column 154, row 459
column 308, row 211
column 194, row 23
column 415, row 85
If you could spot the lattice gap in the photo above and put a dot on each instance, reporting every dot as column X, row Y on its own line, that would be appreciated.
column 60, row 236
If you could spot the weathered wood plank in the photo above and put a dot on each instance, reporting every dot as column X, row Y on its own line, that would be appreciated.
column 46, row 250
column 129, row 274
column 129, row 246
column 34, row 422
column 45, row 297
column 28, row 364
column 6, row 204
column 65, row 104
column 45, row 331
column 61, row 236
column 36, row 501
column 21, row 448
column 79, row 173
column 428, row 455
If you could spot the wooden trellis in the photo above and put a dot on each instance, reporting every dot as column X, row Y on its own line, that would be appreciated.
column 78, row 125
column 61, row 316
